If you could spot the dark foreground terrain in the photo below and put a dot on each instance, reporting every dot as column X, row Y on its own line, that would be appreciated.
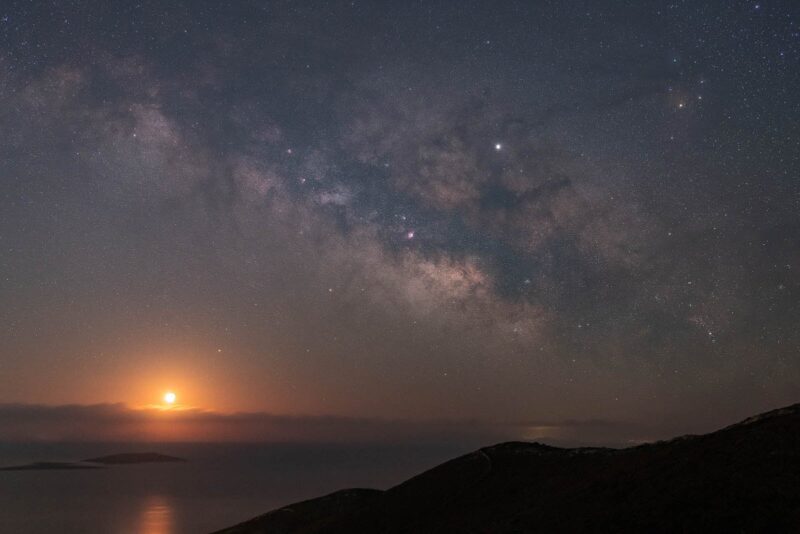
column 743, row 478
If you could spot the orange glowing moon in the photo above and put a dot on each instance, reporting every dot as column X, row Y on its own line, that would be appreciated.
column 170, row 397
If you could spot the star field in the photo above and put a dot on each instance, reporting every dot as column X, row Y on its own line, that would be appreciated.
column 567, row 210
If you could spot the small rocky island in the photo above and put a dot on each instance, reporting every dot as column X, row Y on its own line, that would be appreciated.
column 134, row 458
column 100, row 462
column 51, row 466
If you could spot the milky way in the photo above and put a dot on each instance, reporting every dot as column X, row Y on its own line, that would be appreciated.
column 516, row 211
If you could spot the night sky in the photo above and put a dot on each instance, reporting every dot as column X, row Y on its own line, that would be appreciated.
column 565, row 219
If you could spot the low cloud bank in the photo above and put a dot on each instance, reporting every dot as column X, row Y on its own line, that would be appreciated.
column 119, row 422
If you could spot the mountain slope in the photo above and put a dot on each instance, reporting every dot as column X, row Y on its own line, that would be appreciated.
column 743, row 478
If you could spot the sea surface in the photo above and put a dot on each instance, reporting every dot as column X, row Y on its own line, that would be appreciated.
column 220, row 484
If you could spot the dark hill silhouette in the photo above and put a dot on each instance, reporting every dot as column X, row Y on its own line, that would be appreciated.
column 743, row 478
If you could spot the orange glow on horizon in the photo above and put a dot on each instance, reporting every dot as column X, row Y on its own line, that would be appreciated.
column 143, row 374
